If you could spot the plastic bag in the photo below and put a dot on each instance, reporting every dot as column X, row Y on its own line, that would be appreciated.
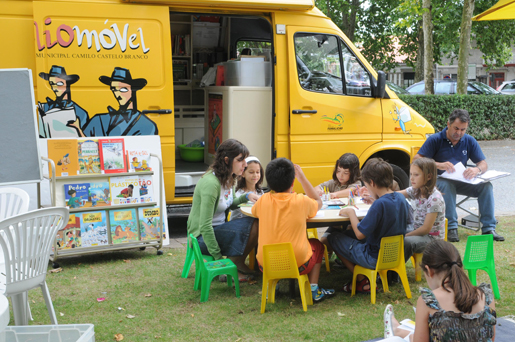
column 209, row 78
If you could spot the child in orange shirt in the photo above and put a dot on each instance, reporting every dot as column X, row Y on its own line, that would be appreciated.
column 282, row 217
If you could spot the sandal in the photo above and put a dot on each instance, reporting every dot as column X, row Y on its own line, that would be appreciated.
column 359, row 286
column 388, row 325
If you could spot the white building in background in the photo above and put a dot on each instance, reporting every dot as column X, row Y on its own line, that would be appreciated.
column 404, row 75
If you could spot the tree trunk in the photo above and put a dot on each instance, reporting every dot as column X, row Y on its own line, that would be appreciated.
column 463, row 57
column 419, row 65
column 428, row 46
column 349, row 19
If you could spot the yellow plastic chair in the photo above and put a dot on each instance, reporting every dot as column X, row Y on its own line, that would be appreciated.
column 313, row 234
column 416, row 259
column 279, row 263
column 391, row 258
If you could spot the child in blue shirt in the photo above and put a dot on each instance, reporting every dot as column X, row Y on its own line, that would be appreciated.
column 386, row 217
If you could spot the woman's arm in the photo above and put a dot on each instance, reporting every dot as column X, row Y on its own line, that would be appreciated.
column 421, row 322
column 208, row 201
column 426, row 227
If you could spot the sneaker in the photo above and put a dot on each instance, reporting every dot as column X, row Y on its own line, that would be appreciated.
column 388, row 325
column 452, row 235
column 320, row 294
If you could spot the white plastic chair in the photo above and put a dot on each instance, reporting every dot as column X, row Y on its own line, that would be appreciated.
column 26, row 242
column 13, row 201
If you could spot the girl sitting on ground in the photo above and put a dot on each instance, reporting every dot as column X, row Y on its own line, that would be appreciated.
column 452, row 309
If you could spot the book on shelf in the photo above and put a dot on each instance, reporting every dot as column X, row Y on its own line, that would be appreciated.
column 124, row 226
column 149, row 223
column 146, row 189
column 180, row 70
column 181, row 45
column 88, row 156
column 64, row 154
column 99, row 194
column 138, row 160
column 124, row 190
column 93, row 228
column 76, row 195
column 70, row 236
column 112, row 155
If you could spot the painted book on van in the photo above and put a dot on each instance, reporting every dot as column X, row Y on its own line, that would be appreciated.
column 89, row 157
column 64, row 154
column 124, row 225
column 112, row 155
column 93, row 228
column 149, row 223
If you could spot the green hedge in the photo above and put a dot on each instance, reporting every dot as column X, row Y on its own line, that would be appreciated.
column 492, row 116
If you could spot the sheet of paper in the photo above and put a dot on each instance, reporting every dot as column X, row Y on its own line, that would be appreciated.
column 458, row 175
column 407, row 324
column 492, row 174
column 320, row 213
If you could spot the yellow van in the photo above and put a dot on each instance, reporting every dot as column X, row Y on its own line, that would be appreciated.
column 288, row 82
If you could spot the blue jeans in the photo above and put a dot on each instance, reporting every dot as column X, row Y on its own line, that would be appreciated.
column 484, row 193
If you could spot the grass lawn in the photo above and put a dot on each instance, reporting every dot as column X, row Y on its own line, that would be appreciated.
column 165, row 307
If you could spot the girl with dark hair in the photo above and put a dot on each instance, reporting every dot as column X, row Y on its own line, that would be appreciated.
column 427, row 212
column 213, row 196
column 346, row 178
column 250, row 181
column 452, row 309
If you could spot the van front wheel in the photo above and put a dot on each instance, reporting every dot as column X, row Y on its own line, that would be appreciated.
column 400, row 176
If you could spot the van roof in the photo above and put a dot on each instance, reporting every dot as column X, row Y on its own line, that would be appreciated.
column 296, row 5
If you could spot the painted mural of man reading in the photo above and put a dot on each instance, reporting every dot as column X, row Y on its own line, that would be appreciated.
column 59, row 117
column 127, row 120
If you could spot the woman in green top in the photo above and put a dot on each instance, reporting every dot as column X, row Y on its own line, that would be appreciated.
column 213, row 196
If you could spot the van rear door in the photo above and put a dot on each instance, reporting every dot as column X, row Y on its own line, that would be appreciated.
column 332, row 110
column 91, row 45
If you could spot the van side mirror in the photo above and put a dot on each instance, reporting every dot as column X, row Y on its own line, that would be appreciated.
column 381, row 84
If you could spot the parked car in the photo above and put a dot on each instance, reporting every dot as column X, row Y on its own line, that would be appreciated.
column 396, row 89
column 448, row 87
column 507, row 87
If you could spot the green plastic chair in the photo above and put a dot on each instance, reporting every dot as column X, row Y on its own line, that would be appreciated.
column 206, row 271
column 189, row 259
column 479, row 255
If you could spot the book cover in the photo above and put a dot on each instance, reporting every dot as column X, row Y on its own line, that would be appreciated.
column 76, row 195
column 124, row 190
column 70, row 236
column 88, row 156
column 93, row 228
column 124, row 226
column 99, row 194
column 64, row 154
column 149, row 223
column 112, row 155
column 138, row 160
column 146, row 189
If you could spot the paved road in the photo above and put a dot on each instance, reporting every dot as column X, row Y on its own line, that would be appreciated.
column 500, row 156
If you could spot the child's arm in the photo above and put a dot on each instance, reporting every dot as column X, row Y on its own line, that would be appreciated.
column 404, row 193
column 351, row 214
column 306, row 185
column 426, row 227
column 342, row 193
column 421, row 318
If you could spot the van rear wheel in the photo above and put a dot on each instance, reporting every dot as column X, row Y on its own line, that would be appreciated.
column 400, row 176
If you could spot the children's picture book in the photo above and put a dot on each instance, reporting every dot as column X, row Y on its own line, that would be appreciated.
column 93, row 228
column 64, row 154
column 112, row 155
column 99, row 194
column 138, row 160
column 124, row 225
column 70, row 236
column 124, row 190
column 88, row 156
column 76, row 195
column 146, row 189
column 149, row 223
